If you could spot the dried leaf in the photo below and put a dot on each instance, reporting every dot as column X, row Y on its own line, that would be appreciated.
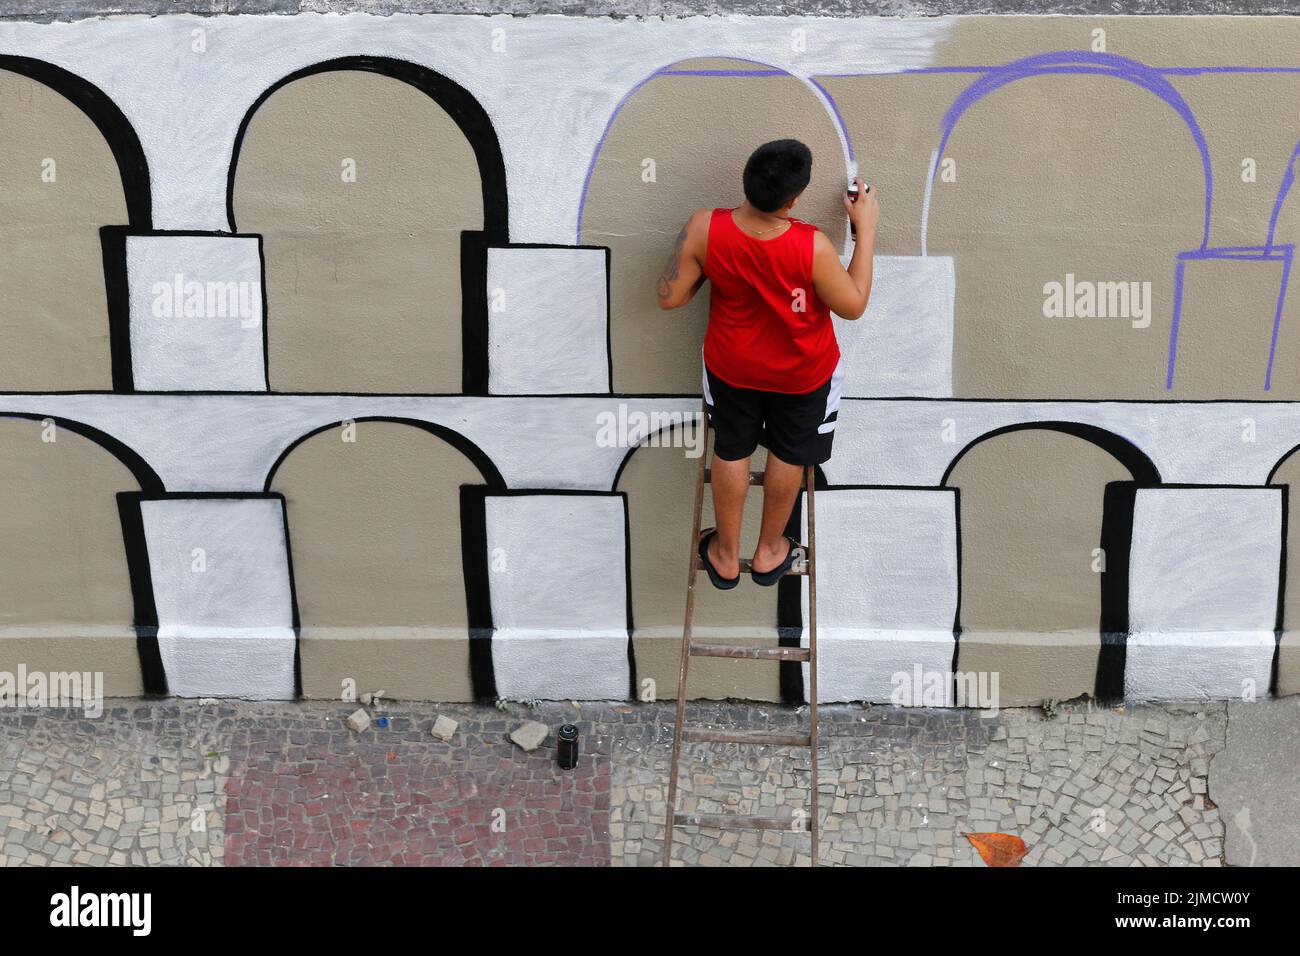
column 998, row 849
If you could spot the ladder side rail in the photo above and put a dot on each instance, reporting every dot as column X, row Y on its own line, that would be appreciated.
column 692, row 572
column 810, row 482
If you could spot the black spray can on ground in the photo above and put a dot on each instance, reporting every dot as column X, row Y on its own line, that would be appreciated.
column 567, row 749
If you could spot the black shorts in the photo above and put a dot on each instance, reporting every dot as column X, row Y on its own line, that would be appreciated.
column 798, row 429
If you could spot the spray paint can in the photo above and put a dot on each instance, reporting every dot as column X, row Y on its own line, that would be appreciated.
column 852, row 193
column 566, row 752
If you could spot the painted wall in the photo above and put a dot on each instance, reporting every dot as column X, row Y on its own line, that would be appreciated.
column 312, row 324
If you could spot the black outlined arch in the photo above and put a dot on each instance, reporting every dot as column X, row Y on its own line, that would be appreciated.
column 479, row 458
column 111, row 122
column 1115, row 542
column 473, row 536
column 476, row 126
column 660, row 438
column 145, row 616
column 456, row 101
column 1272, row 473
column 141, row 469
column 1141, row 467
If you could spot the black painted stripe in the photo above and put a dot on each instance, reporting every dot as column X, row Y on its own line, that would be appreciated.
column 478, row 597
column 152, row 674
column 1116, row 545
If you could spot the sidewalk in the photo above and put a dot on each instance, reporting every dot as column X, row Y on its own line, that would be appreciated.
column 237, row 783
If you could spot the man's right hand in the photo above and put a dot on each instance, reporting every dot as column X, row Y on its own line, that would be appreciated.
column 865, row 212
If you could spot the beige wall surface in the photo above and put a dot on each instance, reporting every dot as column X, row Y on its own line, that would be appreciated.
column 1031, row 512
column 376, row 560
column 58, row 184
column 1086, row 175
column 1082, row 176
column 1099, row 178
column 660, row 485
column 65, row 595
column 362, row 275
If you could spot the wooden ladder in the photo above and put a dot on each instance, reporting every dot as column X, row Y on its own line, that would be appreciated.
column 743, row 652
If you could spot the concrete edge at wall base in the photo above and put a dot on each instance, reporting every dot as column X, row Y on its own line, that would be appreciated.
column 1164, row 667
column 251, row 663
column 1199, row 665
column 918, row 668
column 548, row 663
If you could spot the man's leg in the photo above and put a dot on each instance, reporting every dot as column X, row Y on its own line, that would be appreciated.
column 800, row 428
column 736, row 420
column 781, row 483
column 730, row 485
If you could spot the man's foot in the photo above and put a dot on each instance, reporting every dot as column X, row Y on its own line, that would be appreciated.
column 715, row 565
column 777, row 563
column 770, row 558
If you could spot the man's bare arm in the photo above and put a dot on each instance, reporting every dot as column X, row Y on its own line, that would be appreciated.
column 847, row 291
column 684, row 272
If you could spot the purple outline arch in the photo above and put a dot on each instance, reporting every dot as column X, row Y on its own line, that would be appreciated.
column 1270, row 251
column 1082, row 62
column 1273, row 251
column 765, row 70
column 1288, row 180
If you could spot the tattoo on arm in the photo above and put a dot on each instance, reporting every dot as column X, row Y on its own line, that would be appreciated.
column 672, row 267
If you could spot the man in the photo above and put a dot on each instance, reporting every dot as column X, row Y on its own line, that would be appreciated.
column 772, row 367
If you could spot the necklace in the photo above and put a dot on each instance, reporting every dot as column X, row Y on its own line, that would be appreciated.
column 763, row 232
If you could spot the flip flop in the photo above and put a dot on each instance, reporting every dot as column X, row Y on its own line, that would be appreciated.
column 793, row 556
column 719, row 582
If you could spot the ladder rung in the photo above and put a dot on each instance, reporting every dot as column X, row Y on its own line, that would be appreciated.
column 747, row 566
column 735, row 821
column 755, row 737
column 751, row 652
column 755, row 477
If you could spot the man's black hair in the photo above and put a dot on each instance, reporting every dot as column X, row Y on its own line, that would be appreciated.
column 776, row 173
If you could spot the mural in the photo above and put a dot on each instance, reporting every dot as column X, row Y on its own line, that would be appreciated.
column 332, row 363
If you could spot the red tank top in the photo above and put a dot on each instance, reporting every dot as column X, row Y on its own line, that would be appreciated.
column 767, row 328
